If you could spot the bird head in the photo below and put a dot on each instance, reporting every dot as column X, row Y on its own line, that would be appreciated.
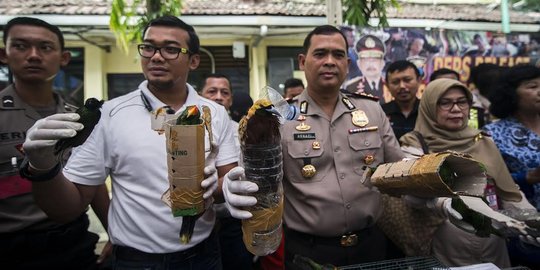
column 190, row 116
column 263, row 107
column 93, row 103
column 192, row 111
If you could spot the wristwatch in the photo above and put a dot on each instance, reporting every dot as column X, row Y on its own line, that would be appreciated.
column 25, row 173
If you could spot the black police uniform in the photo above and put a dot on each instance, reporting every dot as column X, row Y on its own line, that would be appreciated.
column 400, row 123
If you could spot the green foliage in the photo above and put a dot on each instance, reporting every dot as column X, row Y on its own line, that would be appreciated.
column 526, row 5
column 128, row 20
column 358, row 12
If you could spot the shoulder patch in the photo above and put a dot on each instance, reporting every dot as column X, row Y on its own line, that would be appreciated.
column 8, row 102
column 362, row 95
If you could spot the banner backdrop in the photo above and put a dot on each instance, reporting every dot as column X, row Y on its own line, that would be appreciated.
column 431, row 49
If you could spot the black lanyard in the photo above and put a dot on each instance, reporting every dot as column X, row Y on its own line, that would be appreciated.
column 146, row 102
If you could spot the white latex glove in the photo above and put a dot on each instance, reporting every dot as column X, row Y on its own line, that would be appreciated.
column 417, row 202
column 443, row 205
column 43, row 135
column 448, row 210
column 233, row 190
column 527, row 239
column 210, row 182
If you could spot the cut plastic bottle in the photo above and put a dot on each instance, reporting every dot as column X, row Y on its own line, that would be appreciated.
column 286, row 110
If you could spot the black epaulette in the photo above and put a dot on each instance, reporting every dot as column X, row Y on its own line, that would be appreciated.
column 361, row 95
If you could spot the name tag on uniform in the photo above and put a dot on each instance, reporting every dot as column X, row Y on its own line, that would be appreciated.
column 304, row 136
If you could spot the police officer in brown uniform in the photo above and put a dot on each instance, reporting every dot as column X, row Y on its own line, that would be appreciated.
column 370, row 50
column 330, row 207
column 34, row 53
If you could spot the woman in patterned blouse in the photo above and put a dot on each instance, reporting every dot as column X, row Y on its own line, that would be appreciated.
column 517, row 135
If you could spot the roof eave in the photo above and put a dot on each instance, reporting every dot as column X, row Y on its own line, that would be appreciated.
column 457, row 25
column 195, row 20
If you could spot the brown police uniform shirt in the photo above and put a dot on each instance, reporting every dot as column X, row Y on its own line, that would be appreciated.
column 337, row 199
column 18, row 210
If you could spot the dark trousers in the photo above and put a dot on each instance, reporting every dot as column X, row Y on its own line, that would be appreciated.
column 234, row 254
column 523, row 254
column 371, row 246
column 205, row 255
column 70, row 246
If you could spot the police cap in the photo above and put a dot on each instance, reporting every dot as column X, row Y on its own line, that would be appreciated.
column 370, row 46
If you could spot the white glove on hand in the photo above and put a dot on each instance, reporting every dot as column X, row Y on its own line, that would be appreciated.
column 527, row 239
column 233, row 188
column 448, row 210
column 417, row 202
column 443, row 205
column 43, row 135
column 210, row 182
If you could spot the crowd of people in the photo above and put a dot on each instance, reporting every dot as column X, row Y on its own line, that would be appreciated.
column 332, row 213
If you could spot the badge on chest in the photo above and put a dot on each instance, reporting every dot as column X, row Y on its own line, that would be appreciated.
column 359, row 118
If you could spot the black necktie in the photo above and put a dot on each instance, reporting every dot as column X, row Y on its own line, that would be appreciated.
column 374, row 86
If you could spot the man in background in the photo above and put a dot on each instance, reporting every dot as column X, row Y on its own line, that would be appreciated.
column 293, row 87
column 217, row 87
column 444, row 73
column 403, row 80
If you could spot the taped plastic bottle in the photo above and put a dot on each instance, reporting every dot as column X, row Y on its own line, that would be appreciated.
column 286, row 110
column 264, row 166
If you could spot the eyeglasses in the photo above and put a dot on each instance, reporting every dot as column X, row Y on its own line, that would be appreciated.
column 167, row 52
column 448, row 104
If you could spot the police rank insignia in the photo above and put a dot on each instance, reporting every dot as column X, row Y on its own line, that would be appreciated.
column 348, row 103
column 308, row 171
column 368, row 160
column 303, row 127
column 8, row 102
column 370, row 43
column 316, row 145
column 359, row 118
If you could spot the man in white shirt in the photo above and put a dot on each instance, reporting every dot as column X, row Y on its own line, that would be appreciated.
column 123, row 146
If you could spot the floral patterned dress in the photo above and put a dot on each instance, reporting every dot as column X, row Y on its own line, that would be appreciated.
column 520, row 148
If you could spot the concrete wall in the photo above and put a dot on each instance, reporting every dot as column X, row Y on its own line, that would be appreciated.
column 98, row 63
